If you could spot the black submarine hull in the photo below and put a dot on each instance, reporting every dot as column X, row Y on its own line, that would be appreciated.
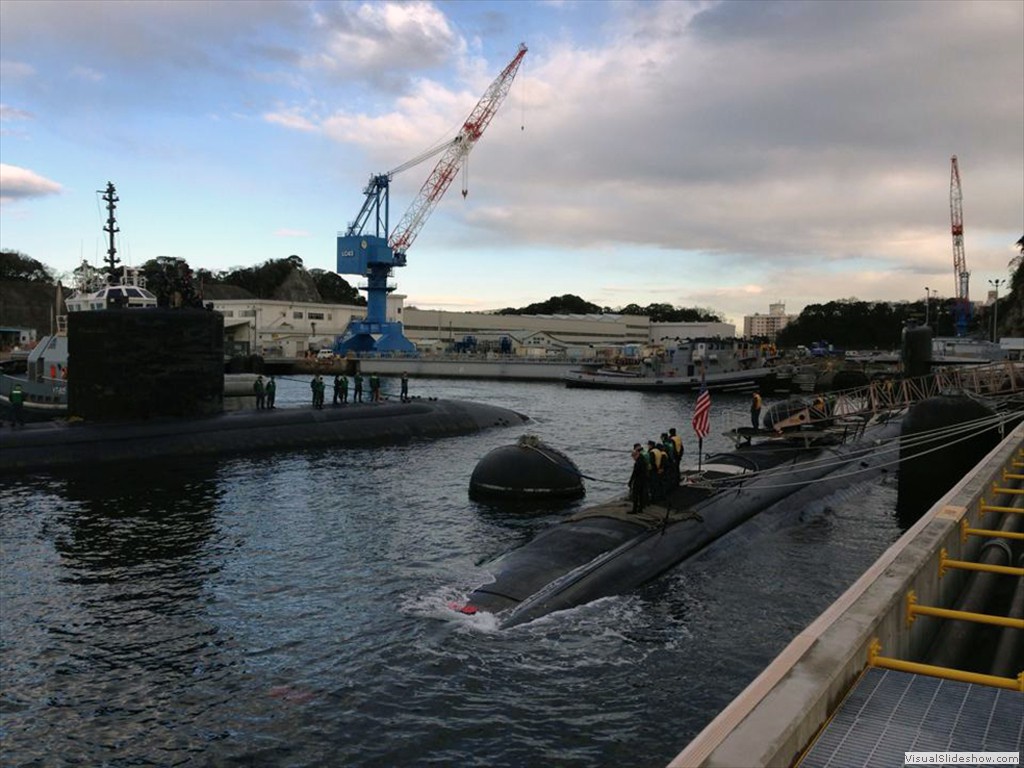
column 69, row 444
column 605, row 551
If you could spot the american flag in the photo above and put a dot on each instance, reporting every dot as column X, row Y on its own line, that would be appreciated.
column 701, row 411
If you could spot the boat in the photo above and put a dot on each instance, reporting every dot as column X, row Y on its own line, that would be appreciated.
column 607, row 550
column 731, row 365
column 43, row 374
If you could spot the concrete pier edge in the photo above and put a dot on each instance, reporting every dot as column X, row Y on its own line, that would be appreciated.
column 773, row 720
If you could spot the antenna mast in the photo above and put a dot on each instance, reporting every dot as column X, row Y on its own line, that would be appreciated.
column 110, row 198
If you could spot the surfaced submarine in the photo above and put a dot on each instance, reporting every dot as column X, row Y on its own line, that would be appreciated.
column 604, row 550
column 52, row 445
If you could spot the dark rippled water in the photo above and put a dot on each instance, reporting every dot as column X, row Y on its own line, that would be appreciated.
column 291, row 609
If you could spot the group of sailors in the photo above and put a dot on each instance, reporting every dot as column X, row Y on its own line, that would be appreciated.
column 266, row 392
column 656, row 470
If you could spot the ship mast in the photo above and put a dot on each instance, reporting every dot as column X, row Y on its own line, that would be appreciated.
column 111, row 198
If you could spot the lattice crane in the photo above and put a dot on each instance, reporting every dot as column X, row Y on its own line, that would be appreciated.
column 961, row 276
column 375, row 254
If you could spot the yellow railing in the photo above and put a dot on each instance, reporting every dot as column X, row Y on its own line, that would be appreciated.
column 887, row 662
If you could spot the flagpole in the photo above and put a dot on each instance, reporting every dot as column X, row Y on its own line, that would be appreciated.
column 701, row 409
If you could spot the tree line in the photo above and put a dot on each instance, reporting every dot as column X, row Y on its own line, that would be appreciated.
column 843, row 323
column 175, row 283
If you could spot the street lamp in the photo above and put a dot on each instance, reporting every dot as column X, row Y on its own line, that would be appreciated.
column 995, row 307
column 927, row 303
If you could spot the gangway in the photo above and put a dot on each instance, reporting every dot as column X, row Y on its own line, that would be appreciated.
column 846, row 411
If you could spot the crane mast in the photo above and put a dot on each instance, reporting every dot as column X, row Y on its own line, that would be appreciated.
column 374, row 254
column 961, row 276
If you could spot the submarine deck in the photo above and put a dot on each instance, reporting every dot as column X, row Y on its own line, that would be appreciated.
column 53, row 444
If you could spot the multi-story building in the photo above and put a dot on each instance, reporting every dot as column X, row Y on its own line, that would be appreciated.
column 767, row 326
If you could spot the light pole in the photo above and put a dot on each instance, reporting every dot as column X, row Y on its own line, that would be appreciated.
column 995, row 307
column 927, row 303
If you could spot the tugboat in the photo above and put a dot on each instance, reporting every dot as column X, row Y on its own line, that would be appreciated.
column 43, row 375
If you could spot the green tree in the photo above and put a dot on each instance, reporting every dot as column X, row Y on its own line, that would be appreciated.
column 170, row 279
column 15, row 265
column 335, row 289
column 556, row 305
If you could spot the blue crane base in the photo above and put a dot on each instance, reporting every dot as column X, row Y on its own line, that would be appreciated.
column 364, row 336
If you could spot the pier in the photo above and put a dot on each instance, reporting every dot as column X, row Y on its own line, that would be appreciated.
column 855, row 687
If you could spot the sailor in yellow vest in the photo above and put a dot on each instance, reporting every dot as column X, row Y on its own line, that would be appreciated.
column 656, row 459
column 677, row 441
column 755, row 410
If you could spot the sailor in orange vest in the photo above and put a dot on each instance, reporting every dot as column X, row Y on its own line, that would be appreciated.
column 755, row 410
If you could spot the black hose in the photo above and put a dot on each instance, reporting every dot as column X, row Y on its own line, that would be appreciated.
column 1008, row 659
column 953, row 644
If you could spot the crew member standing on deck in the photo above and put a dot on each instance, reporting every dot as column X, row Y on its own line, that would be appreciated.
column 17, row 399
column 677, row 441
column 755, row 410
column 257, row 387
column 638, row 480
column 374, row 388
column 271, row 392
column 656, row 466
column 357, row 392
column 344, row 390
column 671, row 462
column 405, row 387
column 337, row 390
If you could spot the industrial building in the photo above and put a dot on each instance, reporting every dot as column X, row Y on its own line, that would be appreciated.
column 290, row 329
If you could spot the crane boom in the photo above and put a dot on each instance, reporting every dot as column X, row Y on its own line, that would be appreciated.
column 448, row 166
column 961, row 276
column 365, row 248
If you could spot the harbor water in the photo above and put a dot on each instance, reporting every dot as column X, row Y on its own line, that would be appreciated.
column 294, row 609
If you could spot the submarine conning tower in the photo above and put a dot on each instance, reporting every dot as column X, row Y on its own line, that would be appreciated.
column 139, row 364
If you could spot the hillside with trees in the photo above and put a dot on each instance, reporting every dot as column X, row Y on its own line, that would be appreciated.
column 570, row 304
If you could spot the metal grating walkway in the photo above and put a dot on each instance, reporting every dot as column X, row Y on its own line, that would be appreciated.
column 888, row 713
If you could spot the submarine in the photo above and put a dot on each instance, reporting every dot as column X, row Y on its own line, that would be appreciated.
column 605, row 550
column 149, row 384
column 56, row 444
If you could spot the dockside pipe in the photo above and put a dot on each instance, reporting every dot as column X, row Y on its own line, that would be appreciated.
column 1008, row 658
column 952, row 643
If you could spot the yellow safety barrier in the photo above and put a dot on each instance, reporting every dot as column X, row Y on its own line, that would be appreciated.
column 1012, row 475
column 997, row 490
column 965, row 531
column 913, row 610
column 966, row 565
column 898, row 665
column 983, row 508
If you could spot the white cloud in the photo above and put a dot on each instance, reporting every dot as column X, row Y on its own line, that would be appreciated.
column 21, row 184
column 290, row 119
column 9, row 114
column 87, row 73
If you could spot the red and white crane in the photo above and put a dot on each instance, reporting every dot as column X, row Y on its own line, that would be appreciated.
column 374, row 252
column 961, row 276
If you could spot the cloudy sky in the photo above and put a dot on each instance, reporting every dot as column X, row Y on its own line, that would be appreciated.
column 714, row 154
